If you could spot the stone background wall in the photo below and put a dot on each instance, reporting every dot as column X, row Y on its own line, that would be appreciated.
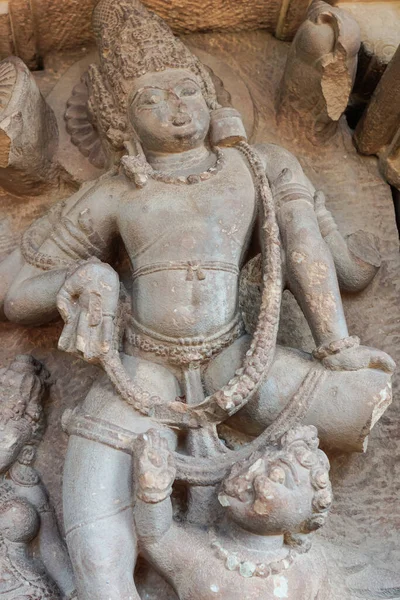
column 33, row 28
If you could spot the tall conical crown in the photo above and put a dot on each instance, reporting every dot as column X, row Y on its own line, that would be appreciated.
column 132, row 41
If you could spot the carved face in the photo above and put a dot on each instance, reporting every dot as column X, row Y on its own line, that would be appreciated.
column 12, row 439
column 274, row 496
column 168, row 112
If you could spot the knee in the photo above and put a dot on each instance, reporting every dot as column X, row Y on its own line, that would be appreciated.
column 103, row 556
column 348, row 405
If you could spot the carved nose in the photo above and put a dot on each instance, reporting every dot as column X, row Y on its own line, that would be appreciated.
column 181, row 119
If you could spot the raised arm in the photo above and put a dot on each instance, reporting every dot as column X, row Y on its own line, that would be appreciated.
column 74, row 230
column 310, row 270
column 153, row 476
column 165, row 544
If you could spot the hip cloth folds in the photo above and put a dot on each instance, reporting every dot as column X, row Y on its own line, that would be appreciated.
column 182, row 351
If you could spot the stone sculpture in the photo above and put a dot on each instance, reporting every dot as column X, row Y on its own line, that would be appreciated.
column 260, row 549
column 31, row 549
column 192, row 202
column 28, row 133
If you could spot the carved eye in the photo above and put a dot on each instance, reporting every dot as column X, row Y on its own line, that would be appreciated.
column 277, row 474
column 189, row 90
column 150, row 99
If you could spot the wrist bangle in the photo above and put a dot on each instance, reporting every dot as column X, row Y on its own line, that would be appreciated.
column 335, row 347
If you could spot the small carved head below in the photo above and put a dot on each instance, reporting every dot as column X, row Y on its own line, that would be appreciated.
column 283, row 490
column 168, row 112
column 22, row 386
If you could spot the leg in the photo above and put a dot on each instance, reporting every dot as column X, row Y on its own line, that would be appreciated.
column 97, row 491
column 345, row 407
column 9, row 267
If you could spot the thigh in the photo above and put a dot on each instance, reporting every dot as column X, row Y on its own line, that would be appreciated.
column 288, row 370
column 97, row 477
column 97, row 489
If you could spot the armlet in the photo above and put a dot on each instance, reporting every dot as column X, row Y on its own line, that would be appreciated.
column 286, row 190
column 77, row 242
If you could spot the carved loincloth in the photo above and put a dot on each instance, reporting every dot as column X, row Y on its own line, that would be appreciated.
column 201, row 471
column 182, row 351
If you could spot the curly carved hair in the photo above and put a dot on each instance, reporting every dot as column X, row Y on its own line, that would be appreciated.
column 132, row 41
column 22, row 387
column 300, row 444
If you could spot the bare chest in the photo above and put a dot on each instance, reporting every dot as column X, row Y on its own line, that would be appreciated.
column 210, row 219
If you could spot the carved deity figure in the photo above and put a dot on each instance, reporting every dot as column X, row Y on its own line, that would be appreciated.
column 191, row 202
column 261, row 548
column 34, row 563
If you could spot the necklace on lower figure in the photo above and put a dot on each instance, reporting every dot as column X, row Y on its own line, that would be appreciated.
column 247, row 567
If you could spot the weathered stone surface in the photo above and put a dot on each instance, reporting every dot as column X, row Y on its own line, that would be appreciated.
column 380, row 34
column 33, row 29
column 24, row 32
column 25, row 121
column 378, row 130
column 291, row 16
column 358, row 198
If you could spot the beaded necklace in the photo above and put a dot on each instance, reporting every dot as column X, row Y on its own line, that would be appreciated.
column 248, row 568
column 139, row 170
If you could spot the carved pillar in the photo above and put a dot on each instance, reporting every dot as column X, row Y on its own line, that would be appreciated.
column 23, row 29
column 378, row 131
column 28, row 132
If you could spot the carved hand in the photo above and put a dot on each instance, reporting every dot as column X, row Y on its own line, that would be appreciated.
column 87, row 302
column 154, row 467
column 360, row 357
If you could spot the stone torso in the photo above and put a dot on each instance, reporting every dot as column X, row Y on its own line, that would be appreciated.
column 186, row 244
column 21, row 575
column 206, row 577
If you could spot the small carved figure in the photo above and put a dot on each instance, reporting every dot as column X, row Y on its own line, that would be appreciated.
column 187, row 196
column 33, row 558
column 260, row 547
column 28, row 133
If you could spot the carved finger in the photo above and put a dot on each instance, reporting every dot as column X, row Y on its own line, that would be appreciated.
column 67, row 339
column 95, row 309
column 83, row 335
column 69, row 312
column 381, row 360
column 65, row 305
column 319, row 201
column 106, row 339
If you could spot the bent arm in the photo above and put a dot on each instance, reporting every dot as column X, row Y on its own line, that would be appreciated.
column 356, row 257
column 83, row 228
column 310, row 269
column 165, row 544
column 311, row 272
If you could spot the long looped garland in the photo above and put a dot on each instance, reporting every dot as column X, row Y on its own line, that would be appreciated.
column 231, row 398
column 236, row 394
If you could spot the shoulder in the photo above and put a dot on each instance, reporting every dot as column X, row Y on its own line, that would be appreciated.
column 276, row 158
